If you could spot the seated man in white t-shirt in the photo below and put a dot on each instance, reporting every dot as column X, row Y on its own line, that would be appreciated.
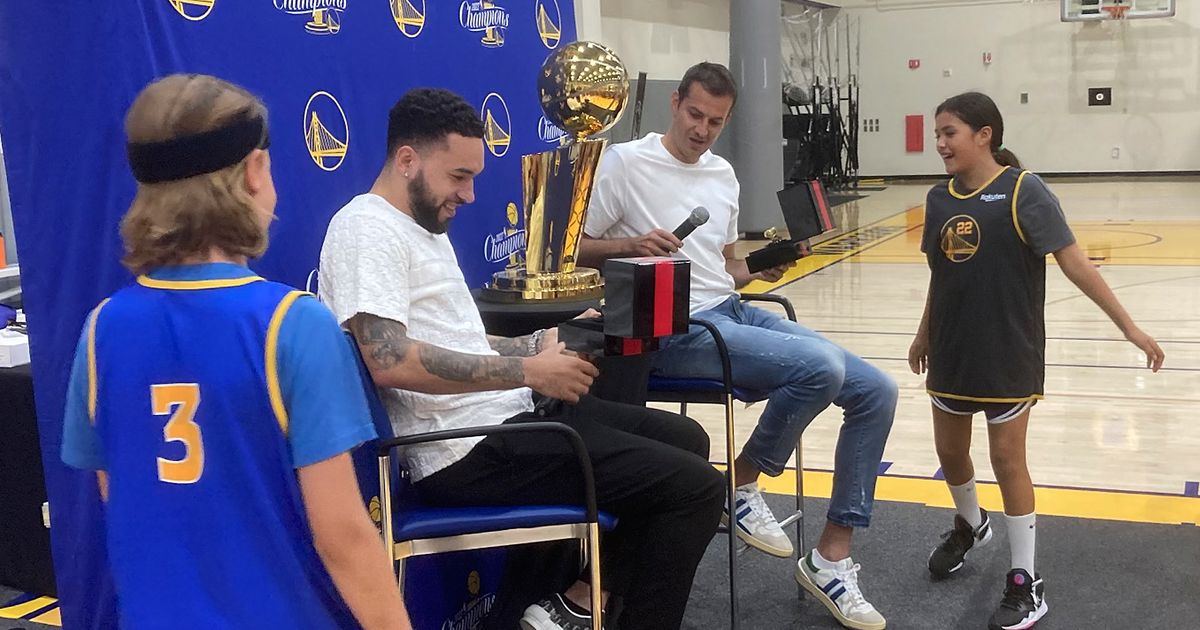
column 645, row 188
column 390, row 275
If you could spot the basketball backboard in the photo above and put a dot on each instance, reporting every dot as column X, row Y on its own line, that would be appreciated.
column 1093, row 10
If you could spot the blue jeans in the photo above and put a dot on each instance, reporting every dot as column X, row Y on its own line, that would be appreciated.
column 804, row 373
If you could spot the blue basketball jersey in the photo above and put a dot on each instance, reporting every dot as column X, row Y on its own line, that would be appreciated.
column 206, row 524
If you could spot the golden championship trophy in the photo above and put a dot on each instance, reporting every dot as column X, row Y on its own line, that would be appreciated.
column 583, row 89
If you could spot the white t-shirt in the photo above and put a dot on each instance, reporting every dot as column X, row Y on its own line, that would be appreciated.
column 377, row 260
column 640, row 186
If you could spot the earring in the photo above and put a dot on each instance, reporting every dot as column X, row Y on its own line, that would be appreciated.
column 405, row 174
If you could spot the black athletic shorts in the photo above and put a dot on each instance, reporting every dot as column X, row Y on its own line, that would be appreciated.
column 996, row 413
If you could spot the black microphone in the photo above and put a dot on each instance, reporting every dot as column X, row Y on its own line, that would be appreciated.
column 698, row 217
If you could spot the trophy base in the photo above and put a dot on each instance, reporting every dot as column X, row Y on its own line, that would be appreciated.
column 514, row 285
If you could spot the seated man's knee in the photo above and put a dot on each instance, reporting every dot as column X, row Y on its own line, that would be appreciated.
column 888, row 393
column 713, row 484
column 695, row 439
column 889, row 390
column 878, row 394
column 824, row 369
column 685, row 433
column 694, row 482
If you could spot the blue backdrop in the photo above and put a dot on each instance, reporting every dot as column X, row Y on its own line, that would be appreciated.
column 328, row 70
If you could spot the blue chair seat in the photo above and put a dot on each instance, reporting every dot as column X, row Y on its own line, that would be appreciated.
column 426, row 522
column 663, row 385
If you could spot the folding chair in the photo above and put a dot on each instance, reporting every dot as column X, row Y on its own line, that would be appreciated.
column 412, row 529
column 722, row 392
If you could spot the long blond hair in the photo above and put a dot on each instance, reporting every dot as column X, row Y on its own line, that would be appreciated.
column 172, row 221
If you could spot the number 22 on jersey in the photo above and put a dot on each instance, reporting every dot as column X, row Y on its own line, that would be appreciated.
column 179, row 400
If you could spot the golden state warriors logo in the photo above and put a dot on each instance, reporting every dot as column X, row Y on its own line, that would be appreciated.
column 324, row 16
column 484, row 16
column 194, row 10
column 473, row 583
column 409, row 16
column 374, row 509
column 497, row 125
column 470, row 615
column 326, row 131
column 549, row 22
column 960, row 238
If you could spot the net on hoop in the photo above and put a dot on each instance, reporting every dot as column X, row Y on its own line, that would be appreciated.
column 1115, row 11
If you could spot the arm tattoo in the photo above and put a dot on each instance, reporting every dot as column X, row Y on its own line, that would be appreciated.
column 468, row 368
column 385, row 341
column 510, row 346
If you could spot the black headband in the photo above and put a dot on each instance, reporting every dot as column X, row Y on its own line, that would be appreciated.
column 197, row 154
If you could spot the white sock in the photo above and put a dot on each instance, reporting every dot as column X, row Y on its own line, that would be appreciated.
column 1022, row 535
column 967, row 503
column 821, row 563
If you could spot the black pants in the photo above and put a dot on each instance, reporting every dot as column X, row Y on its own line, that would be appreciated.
column 652, row 473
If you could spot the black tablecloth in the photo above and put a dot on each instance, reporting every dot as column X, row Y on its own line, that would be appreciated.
column 25, row 561
column 622, row 379
column 521, row 318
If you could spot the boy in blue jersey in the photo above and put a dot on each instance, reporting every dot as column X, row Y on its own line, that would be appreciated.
column 218, row 408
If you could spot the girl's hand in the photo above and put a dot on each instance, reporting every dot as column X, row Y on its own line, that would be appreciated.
column 918, row 354
column 1146, row 343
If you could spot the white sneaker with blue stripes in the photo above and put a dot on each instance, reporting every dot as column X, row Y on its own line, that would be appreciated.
column 756, row 524
column 837, row 588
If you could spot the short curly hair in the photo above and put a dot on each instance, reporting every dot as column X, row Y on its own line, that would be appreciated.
column 427, row 115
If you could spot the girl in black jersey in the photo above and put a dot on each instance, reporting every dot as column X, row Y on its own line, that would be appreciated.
column 982, row 337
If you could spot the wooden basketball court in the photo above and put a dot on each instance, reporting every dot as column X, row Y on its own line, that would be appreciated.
column 1111, row 439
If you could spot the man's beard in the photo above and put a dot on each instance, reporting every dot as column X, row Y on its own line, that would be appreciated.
column 424, row 208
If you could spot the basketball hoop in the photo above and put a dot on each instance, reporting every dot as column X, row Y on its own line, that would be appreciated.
column 1116, row 11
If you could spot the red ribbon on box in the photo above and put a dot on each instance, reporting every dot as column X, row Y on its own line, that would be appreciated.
column 664, row 295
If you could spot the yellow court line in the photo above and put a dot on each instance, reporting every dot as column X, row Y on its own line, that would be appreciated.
column 20, row 610
column 1078, row 503
column 50, row 617
column 890, row 227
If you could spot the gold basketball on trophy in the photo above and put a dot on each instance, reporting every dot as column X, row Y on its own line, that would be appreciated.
column 583, row 88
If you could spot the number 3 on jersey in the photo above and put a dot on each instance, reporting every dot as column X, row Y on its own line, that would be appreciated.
column 180, row 400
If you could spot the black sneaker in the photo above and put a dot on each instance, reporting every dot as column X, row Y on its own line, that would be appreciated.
column 553, row 613
column 1023, row 604
column 948, row 556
